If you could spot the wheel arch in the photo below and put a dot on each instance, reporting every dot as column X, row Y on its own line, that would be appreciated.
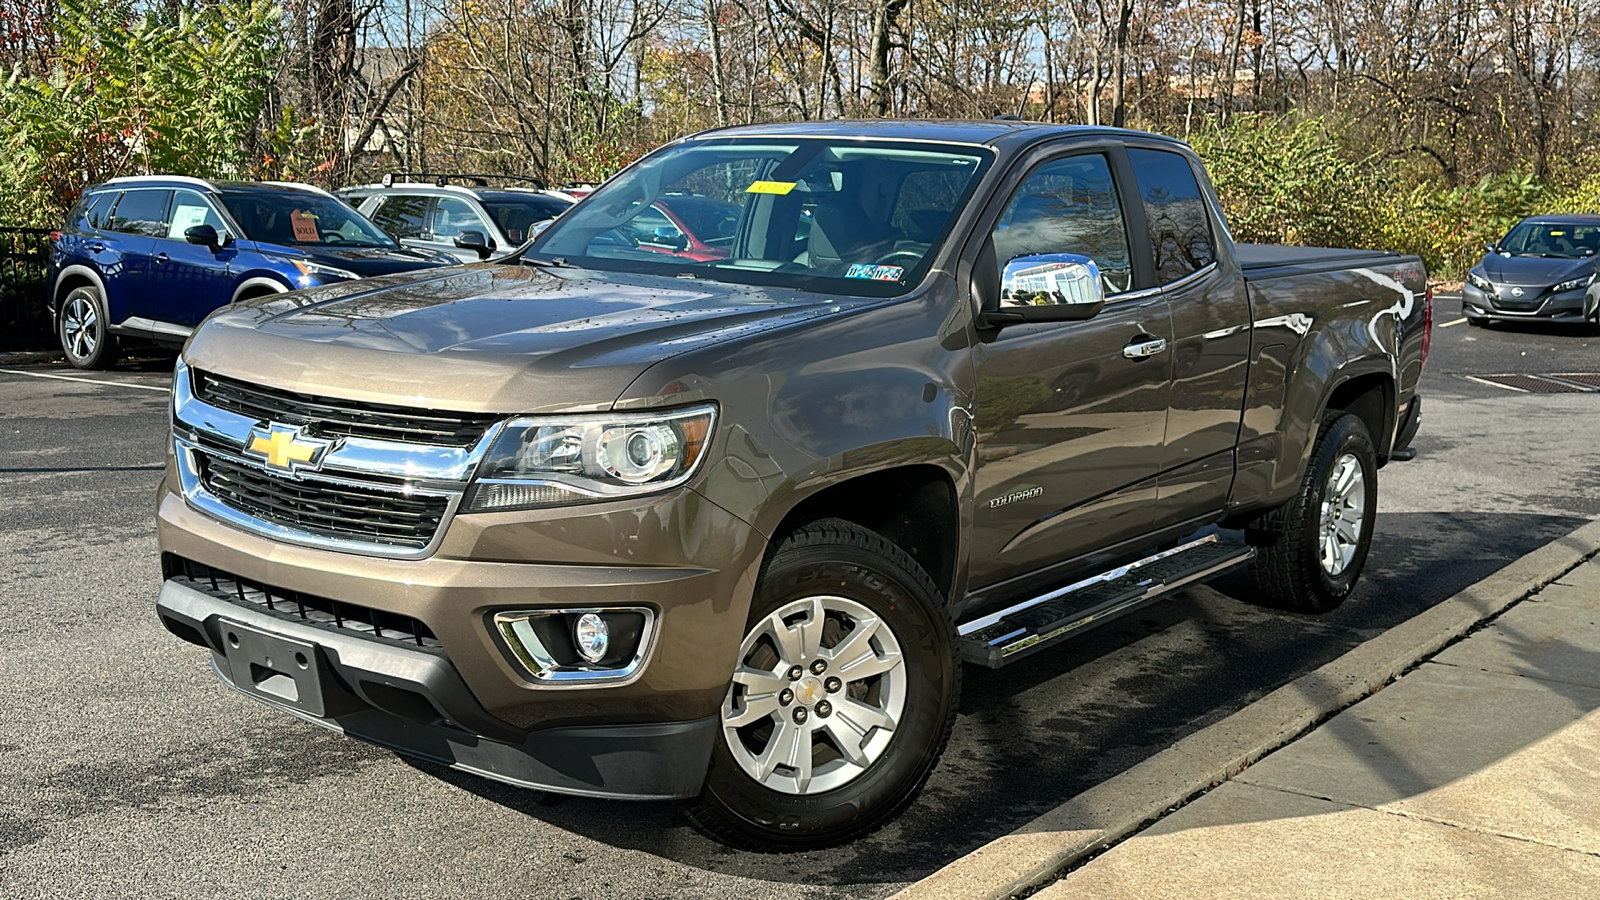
column 1371, row 397
column 257, row 285
column 75, row 276
column 913, row 506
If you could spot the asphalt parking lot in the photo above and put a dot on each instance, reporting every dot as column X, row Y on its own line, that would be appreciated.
column 130, row 772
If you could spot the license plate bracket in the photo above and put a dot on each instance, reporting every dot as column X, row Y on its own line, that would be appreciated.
column 279, row 669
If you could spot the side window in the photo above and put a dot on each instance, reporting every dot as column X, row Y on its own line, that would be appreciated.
column 97, row 214
column 141, row 212
column 401, row 215
column 188, row 210
column 452, row 216
column 1175, row 210
column 1068, row 206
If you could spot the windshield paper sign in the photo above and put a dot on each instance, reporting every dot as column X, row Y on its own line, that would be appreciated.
column 876, row 273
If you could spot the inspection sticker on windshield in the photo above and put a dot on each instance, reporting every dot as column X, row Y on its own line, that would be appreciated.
column 876, row 273
column 770, row 187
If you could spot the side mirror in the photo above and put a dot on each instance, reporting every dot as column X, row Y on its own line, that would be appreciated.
column 667, row 236
column 1050, row 287
column 1491, row 247
column 204, row 236
column 475, row 241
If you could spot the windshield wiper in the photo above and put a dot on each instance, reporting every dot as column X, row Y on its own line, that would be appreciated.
column 554, row 262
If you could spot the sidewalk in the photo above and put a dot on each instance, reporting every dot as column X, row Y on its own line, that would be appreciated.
column 1477, row 774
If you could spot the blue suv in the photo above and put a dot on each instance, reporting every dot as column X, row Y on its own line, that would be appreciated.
column 145, row 258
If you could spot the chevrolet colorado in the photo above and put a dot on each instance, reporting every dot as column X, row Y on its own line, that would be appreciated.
column 600, row 520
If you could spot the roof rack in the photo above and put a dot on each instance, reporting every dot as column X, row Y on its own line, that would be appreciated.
column 184, row 179
column 442, row 179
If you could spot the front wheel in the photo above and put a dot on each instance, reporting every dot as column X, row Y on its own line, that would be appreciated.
column 1311, row 550
column 843, row 695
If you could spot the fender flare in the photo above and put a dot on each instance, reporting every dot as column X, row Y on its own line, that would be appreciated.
column 73, row 271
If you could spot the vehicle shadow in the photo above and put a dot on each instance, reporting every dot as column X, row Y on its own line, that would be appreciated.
column 1042, row 730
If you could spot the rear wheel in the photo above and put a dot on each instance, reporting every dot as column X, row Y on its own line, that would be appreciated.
column 1310, row 551
column 842, row 699
column 82, row 328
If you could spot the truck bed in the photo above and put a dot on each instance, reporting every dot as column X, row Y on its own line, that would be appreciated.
column 1278, row 259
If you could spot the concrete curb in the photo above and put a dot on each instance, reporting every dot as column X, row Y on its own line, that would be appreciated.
column 1114, row 809
column 24, row 357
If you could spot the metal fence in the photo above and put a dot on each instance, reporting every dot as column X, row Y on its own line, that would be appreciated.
column 24, row 322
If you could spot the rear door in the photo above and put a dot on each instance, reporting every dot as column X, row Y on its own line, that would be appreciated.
column 1070, row 428
column 133, row 285
column 1211, row 334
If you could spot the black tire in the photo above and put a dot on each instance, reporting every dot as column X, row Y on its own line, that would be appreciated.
column 849, row 563
column 81, row 327
column 1289, row 571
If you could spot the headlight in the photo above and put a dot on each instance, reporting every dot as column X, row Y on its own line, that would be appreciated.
column 1479, row 282
column 310, row 270
column 1573, row 285
column 556, row 461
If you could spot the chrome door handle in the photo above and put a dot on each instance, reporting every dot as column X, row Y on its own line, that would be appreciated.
column 1144, row 349
column 96, row 247
column 161, row 257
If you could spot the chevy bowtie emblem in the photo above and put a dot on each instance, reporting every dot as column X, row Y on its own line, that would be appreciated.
column 287, row 448
column 1516, row 292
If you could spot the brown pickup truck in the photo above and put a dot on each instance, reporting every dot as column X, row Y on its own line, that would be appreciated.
column 602, row 520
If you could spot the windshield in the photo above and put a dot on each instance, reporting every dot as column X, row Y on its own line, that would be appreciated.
column 860, row 218
column 301, row 218
column 1565, row 240
column 517, row 217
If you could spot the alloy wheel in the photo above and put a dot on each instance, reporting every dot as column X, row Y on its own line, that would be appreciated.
column 1344, row 507
column 817, row 694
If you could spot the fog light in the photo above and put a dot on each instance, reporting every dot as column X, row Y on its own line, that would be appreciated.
column 592, row 637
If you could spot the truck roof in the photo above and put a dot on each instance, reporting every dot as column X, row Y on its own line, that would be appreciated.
column 983, row 132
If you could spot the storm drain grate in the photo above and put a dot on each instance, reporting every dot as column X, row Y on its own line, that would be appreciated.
column 1543, row 384
column 1591, row 379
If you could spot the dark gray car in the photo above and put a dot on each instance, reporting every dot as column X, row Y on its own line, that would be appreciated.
column 1542, row 270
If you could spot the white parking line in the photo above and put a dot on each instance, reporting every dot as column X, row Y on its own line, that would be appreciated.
column 139, row 387
column 1448, row 324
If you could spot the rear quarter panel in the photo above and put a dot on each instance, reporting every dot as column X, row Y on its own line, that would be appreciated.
column 1317, row 328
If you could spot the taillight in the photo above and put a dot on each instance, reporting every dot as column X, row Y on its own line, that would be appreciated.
column 1427, row 324
column 55, row 237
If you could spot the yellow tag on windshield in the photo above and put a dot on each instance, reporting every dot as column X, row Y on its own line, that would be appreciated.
column 770, row 187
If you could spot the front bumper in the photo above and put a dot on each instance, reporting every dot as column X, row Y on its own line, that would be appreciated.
column 414, row 702
column 1567, row 306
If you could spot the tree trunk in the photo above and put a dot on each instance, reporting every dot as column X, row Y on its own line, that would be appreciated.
column 883, row 23
column 1119, row 65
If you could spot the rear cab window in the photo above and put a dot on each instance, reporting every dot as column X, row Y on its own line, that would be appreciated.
column 1175, row 214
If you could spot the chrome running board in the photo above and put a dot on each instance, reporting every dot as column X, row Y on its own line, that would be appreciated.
column 1010, row 634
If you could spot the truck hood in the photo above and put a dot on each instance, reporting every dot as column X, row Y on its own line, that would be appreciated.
column 1537, row 271
column 505, row 338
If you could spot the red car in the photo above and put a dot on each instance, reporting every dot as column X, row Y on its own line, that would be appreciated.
column 686, row 225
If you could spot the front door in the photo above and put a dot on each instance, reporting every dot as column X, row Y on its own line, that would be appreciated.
column 1070, row 422
column 197, row 277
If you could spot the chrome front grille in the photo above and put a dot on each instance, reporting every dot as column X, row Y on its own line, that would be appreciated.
column 356, row 492
column 334, row 417
column 362, row 512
